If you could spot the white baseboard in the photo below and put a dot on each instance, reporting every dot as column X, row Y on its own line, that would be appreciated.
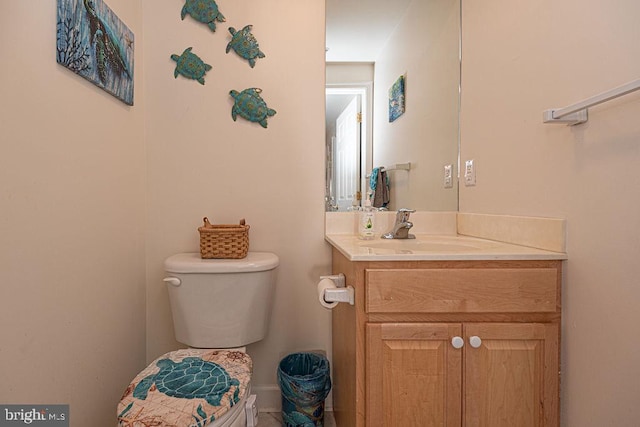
column 270, row 399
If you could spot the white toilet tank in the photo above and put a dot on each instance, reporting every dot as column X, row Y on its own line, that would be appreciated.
column 221, row 303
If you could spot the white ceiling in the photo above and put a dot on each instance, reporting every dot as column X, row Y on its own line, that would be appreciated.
column 358, row 29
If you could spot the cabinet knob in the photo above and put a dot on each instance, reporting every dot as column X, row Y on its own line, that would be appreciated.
column 475, row 341
column 457, row 342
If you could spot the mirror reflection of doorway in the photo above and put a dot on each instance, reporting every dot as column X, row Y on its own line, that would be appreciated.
column 345, row 135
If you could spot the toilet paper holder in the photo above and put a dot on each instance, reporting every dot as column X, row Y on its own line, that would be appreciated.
column 342, row 293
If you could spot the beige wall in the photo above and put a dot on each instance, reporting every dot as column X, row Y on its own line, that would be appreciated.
column 424, row 48
column 201, row 162
column 73, row 168
column 72, row 172
column 72, row 198
column 349, row 72
column 520, row 58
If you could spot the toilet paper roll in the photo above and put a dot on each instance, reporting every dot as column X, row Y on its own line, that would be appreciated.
column 322, row 285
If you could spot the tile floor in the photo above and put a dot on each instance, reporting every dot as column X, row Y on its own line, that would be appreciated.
column 274, row 419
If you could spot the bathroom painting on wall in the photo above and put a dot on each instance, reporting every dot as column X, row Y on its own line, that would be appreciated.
column 95, row 44
column 396, row 99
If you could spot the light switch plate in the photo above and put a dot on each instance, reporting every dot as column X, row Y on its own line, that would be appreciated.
column 448, row 176
column 469, row 173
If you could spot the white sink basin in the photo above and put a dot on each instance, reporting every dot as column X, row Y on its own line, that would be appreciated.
column 429, row 244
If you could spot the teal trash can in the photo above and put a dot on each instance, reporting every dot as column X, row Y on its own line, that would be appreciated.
column 305, row 382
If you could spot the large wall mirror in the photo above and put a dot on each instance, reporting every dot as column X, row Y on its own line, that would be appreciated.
column 371, row 44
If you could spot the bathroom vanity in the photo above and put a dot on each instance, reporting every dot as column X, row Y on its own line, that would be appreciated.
column 465, row 335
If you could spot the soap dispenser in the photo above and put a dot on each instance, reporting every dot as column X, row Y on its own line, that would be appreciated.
column 366, row 222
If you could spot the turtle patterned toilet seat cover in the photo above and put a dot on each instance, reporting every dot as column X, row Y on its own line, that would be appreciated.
column 187, row 387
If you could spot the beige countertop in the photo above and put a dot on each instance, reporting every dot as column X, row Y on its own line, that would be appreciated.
column 429, row 247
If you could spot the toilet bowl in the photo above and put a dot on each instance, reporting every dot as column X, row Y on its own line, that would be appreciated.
column 218, row 306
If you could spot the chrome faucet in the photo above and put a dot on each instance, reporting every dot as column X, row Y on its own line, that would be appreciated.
column 402, row 226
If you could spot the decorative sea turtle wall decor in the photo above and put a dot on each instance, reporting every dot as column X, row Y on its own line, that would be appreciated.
column 250, row 105
column 245, row 44
column 205, row 11
column 190, row 65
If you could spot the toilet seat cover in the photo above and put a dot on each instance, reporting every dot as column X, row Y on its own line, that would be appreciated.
column 190, row 387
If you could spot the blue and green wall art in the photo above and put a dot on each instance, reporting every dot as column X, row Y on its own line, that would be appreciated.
column 249, row 105
column 95, row 44
column 396, row 99
column 190, row 65
column 205, row 11
column 244, row 43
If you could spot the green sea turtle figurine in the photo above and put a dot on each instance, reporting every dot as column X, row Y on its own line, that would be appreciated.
column 250, row 105
column 205, row 11
column 245, row 44
column 190, row 65
column 191, row 378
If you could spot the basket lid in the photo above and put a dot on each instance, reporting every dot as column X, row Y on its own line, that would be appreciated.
column 193, row 263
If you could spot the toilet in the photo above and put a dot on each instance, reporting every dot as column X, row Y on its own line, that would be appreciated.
column 218, row 306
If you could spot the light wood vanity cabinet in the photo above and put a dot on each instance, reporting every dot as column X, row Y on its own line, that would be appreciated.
column 447, row 343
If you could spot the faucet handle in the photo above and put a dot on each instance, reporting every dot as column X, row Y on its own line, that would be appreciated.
column 403, row 214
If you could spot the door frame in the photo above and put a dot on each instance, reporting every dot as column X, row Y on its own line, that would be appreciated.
column 365, row 90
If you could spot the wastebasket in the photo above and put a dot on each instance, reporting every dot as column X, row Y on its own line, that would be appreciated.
column 305, row 382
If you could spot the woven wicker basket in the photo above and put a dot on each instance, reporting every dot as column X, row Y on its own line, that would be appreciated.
column 223, row 240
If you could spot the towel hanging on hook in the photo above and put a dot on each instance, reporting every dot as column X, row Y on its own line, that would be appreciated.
column 379, row 184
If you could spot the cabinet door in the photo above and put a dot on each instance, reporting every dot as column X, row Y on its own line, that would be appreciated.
column 511, row 378
column 413, row 375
